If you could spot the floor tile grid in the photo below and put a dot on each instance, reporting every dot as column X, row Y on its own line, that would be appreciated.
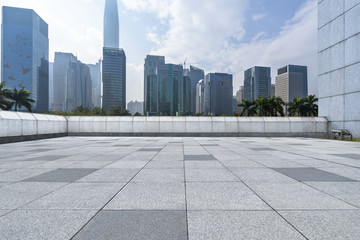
column 264, row 201
column 186, row 204
column 113, row 197
column 313, row 187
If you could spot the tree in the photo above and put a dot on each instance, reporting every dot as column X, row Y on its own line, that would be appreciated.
column 296, row 107
column 21, row 98
column 118, row 111
column 263, row 106
column 248, row 108
column 5, row 104
column 310, row 106
column 276, row 105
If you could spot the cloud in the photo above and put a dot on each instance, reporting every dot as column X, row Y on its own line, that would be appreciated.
column 258, row 16
column 134, row 82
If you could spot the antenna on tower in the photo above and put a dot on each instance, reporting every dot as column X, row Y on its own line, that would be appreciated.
column 185, row 63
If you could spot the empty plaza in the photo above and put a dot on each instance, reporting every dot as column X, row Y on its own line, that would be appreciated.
column 180, row 188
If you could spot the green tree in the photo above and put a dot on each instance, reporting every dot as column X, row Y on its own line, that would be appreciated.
column 21, row 98
column 248, row 108
column 98, row 111
column 296, row 107
column 310, row 107
column 263, row 106
column 276, row 106
column 118, row 111
column 5, row 104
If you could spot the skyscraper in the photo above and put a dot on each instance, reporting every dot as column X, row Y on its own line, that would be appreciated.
column 95, row 72
column 200, row 96
column 195, row 74
column 170, row 89
column 72, row 83
column 114, row 60
column 257, row 82
column 218, row 94
column 51, row 84
column 25, row 54
column 291, row 82
column 150, row 83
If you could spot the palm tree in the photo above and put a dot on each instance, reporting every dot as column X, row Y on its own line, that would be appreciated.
column 310, row 106
column 276, row 105
column 296, row 107
column 263, row 106
column 248, row 108
column 4, row 97
column 21, row 98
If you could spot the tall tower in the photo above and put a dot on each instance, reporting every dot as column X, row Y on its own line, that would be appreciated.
column 111, row 24
column 114, row 60
column 257, row 83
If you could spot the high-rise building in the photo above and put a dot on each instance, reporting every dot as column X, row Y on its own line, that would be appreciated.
column 291, row 82
column 200, row 96
column 238, row 99
column 272, row 89
column 170, row 89
column 95, row 72
column 339, row 64
column 135, row 107
column 72, row 85
column 195, row 74
column 150, row 83
column 25, row 54
column 257, row 82
column 218, row 94
column 51, row 85
column 186, row 93
column 114, row 60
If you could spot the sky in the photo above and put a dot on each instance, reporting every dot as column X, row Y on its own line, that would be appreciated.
column 216, row 35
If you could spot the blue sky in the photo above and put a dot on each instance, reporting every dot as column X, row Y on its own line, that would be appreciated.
column 216, row 35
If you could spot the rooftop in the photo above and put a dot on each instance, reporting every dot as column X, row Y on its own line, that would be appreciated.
column 180, row 188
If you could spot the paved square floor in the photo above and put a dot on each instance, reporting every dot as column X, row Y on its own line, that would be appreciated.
column 180, row 188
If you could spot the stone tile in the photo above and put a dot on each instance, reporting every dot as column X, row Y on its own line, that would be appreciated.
column 20, row 174
column 234, row 225
column 78, row 196
column 43, row 224
column 222, row 196
column 89, row 164
column 160, row 175
column 311, row 175
column 325, row 224
column 241, row 164
column 150, row 150
column 47, row 158
column 61, row 175
column 158, row 164
column 202, row 164
column 18, row 194
column 262, row 149
column 346, row 191
column 134, row 225
column 260, row 175
column 127, row 164
column 296, row 196
column 210, row 145
column 198, row 157
column 348, row 155
column 110, row 175
column 121, row 145
column 149, row 196
column 53, row 164
column 210, row 175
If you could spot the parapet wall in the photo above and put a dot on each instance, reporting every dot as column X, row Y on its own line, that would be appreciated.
column 18, row 126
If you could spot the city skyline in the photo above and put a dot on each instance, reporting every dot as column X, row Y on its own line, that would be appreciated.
column 149, row 28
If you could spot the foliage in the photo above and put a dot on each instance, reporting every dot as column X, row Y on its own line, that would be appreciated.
column 305, row 107
column 20, row 98
column 96, row 111
column 137, row 114
column 5, row 103
column 248, row 108
column 118, row 111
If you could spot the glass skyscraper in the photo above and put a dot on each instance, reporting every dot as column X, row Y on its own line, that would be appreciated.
column 195, row 74
column 25, row 54
column 114, row 60
column 257, row 83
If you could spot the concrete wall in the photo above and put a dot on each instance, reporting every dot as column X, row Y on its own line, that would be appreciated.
column 19, row 126
column 16, row 126
column 339, row 63
column 198, row 126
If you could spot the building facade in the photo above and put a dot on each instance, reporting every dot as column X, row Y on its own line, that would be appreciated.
column 72, row 86
column 238, row 99
column 150, row 83
column 200, row 96
column 291, row 82
column 218, row 94
column 135, row 107
column 195, row 74
column 25, row 54
column 51, row 85
column 170, row 89
column 257, row 83
column 339, row 64
column 95, row 72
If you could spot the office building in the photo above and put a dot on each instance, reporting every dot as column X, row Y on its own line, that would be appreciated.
column 95, row 72
column 272, row 89
column 339, row 64
column 257, row 82
column 25, row 54
column 200, row 96
column 170, row 89
column 237, row 100
column 186, row 94
column 218, row 94
column 150, row 83
column 51, row 85
column 135, row 107
column 114, row 60
column 72, row 86
column 291, row 82
column 195, row 74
